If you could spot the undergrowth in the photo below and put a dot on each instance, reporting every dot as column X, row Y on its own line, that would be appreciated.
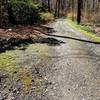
column 84, row 30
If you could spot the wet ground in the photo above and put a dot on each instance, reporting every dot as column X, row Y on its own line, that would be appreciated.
column 61, row 69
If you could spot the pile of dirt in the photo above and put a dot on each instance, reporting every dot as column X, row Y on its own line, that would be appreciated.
column 17, row 35
column 20, row 32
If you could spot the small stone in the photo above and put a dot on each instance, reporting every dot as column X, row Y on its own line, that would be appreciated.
column 33, row 87
column 50, row 83
column 46, row 90
column 40, row 75
column 45, row 78
column 17, row 92
column 32, row 80
column 9, row 29
column 68, row 89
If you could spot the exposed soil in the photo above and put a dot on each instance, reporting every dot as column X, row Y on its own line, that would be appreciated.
column 17, row 36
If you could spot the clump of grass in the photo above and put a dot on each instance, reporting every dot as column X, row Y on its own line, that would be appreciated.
column 46, row 17
column 26, row 79
column 7, row 62
column 84, row 30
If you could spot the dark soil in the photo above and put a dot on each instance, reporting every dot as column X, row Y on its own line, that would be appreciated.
column 16, row 36
column 19, row 36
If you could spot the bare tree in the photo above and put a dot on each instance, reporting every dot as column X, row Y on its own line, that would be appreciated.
column 79, row 11
column 0, row 14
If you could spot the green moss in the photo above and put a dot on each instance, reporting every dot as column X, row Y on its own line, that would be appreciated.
column 84, row 30
column 7, row 62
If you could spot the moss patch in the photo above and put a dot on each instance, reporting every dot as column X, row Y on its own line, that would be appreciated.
column 7, row 62
column 85, row 31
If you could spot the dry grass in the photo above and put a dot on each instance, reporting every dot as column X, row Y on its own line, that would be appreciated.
column 46, row 17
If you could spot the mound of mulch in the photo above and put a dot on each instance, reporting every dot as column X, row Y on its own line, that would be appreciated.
column 20, row 32
column 17, row 35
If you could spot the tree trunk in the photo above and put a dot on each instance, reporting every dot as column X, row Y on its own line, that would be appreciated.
column 79, row 11
column 72, row 10
column 49, row 8
column 0, row 14
column 10, row 15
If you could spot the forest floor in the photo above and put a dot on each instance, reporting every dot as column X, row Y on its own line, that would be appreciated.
column 62, row 65
column 18, row 35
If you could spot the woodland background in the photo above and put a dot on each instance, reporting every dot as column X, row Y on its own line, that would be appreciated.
column 36, row 11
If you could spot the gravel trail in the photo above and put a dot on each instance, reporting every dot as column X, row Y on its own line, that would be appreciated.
column 66, row 70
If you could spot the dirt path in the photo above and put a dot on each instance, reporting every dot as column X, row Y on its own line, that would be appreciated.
column 68, row 69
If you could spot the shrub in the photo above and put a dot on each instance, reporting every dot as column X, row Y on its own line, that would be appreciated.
column 46, row 17
column 21, row 11
column 24, row 12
